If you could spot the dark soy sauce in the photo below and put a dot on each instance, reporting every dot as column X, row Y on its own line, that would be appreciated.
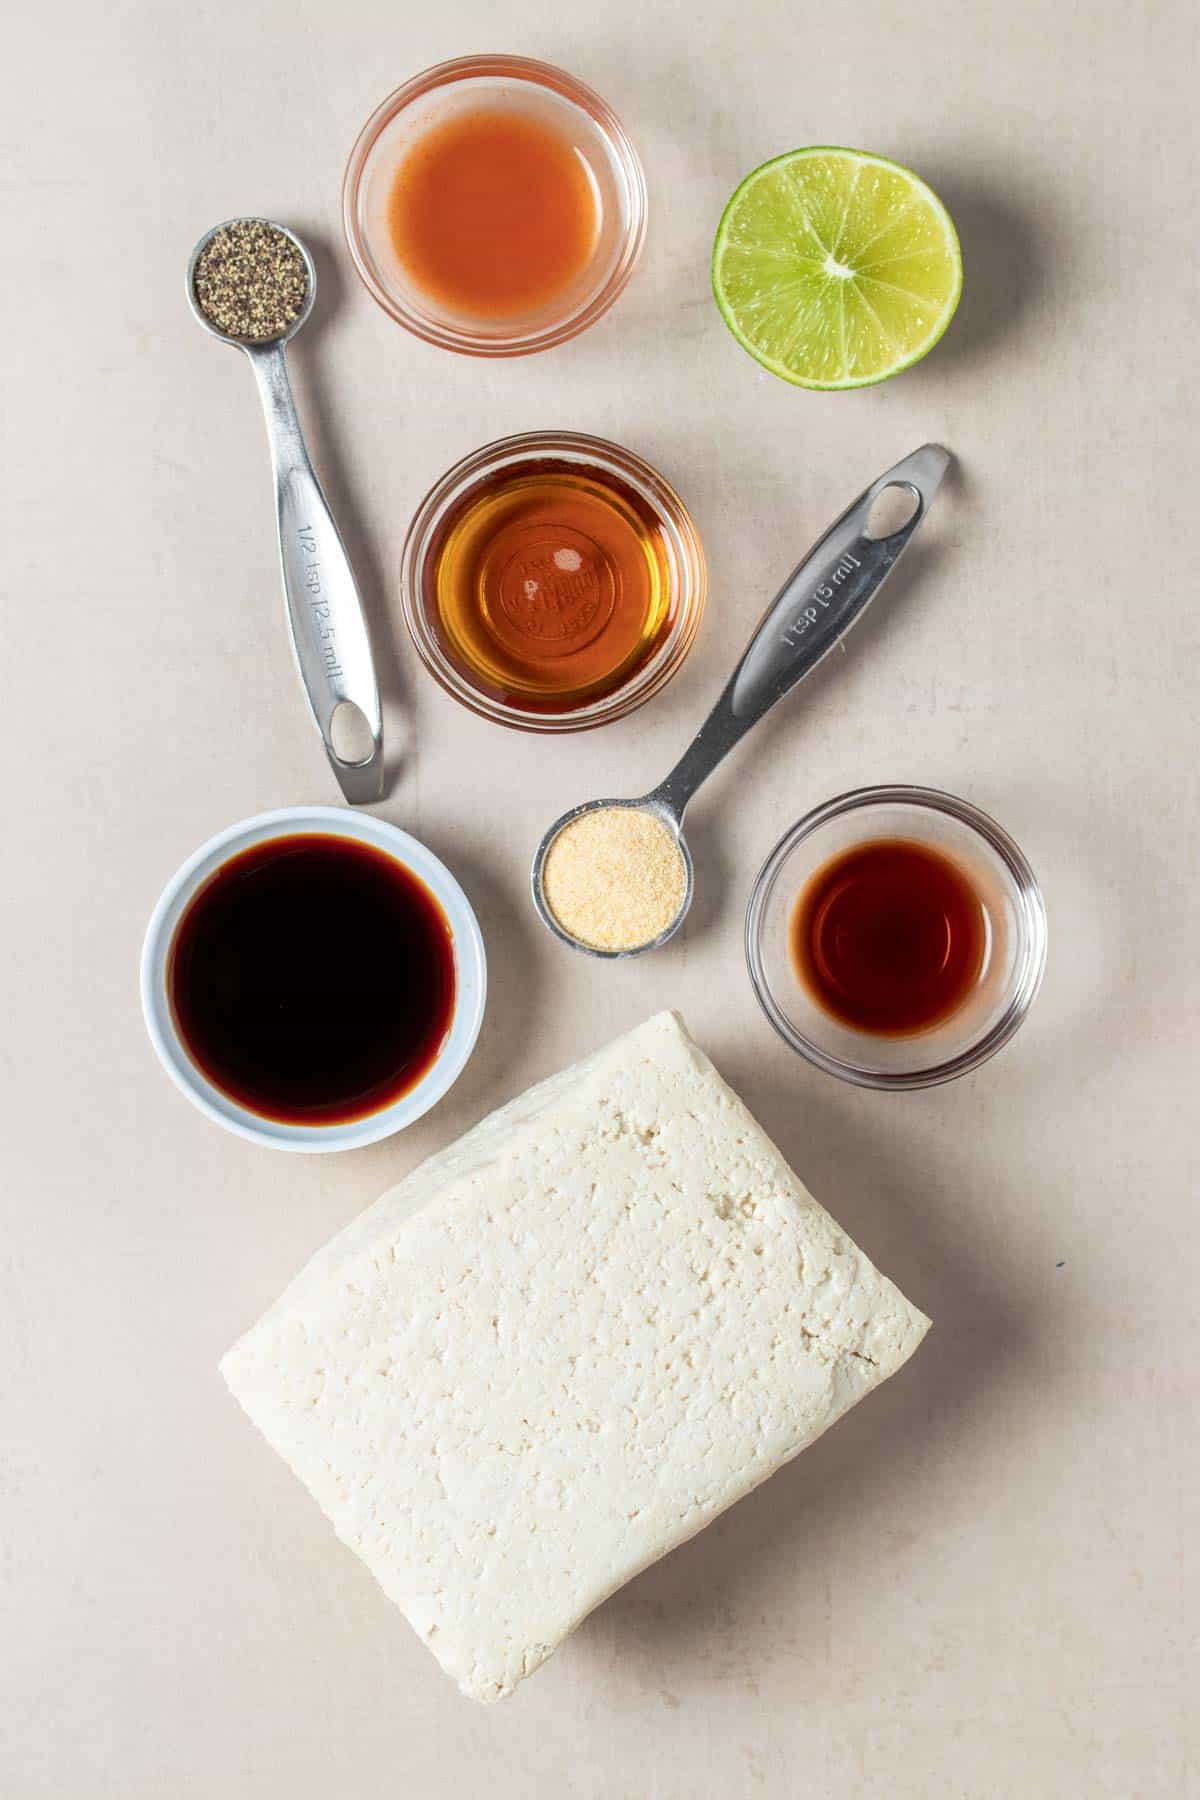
column 312, row 979
column 889, row 937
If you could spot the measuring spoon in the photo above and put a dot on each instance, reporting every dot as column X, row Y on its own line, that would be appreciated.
column 813, row 610
column 325, row 617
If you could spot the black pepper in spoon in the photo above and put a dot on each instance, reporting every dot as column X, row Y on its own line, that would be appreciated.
column 250, row 281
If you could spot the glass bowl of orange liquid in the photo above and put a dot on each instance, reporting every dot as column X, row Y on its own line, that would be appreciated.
column 896, row 937
column 552, row 581
column 494, row 205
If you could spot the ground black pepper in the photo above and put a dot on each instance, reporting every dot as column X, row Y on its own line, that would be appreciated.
column 251, row 281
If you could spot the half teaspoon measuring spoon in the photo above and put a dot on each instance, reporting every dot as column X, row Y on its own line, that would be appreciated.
column 814, row 609
column 325, row 617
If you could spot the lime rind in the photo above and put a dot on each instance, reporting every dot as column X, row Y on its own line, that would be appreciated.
column 836, row 268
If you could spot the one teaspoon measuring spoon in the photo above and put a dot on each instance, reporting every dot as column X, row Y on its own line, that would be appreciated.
column 814, row 609
column 325, row 615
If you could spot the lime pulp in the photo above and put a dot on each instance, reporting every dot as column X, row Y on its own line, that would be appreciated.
column 836, row 268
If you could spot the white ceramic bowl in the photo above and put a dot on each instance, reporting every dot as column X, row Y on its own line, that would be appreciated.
column 470, row 968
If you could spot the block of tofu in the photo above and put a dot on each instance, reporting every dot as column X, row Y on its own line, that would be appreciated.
column 562, row 1346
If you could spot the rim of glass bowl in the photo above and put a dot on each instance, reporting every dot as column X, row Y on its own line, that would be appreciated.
column 674, row 516
column 513, row 68
column 1027, row 979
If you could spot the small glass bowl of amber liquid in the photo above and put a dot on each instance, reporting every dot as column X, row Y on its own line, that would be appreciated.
column 552, row 581
column 896, row 937
column 494, row 205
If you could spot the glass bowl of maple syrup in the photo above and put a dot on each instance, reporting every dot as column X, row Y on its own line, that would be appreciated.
column 552, row 581
column 494, row 205
column 896, row 937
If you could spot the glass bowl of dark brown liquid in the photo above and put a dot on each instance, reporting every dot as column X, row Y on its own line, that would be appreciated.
column 896, row 937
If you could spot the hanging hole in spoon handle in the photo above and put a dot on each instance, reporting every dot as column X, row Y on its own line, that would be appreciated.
column 891, row 511
column 325, row 616
column 817, row 605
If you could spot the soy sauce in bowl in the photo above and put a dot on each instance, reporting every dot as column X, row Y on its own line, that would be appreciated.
column 896, row 937
column 312, row 979
column 890, row 937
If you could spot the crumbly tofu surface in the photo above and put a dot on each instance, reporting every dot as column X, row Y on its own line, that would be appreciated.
column 562, row 1346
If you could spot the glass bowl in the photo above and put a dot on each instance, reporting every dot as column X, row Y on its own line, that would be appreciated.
column 540, row 450
column 1015, row 952
column 469, row 84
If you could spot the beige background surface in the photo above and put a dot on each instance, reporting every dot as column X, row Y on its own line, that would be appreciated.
column 979, row 1584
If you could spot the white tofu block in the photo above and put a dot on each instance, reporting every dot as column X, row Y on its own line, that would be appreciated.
column 616, row 1311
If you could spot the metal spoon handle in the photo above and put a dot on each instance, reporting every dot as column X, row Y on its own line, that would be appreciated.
column 816, row 606
column 325, row 616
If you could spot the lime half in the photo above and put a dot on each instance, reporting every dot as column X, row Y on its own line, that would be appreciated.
column 835, row 268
